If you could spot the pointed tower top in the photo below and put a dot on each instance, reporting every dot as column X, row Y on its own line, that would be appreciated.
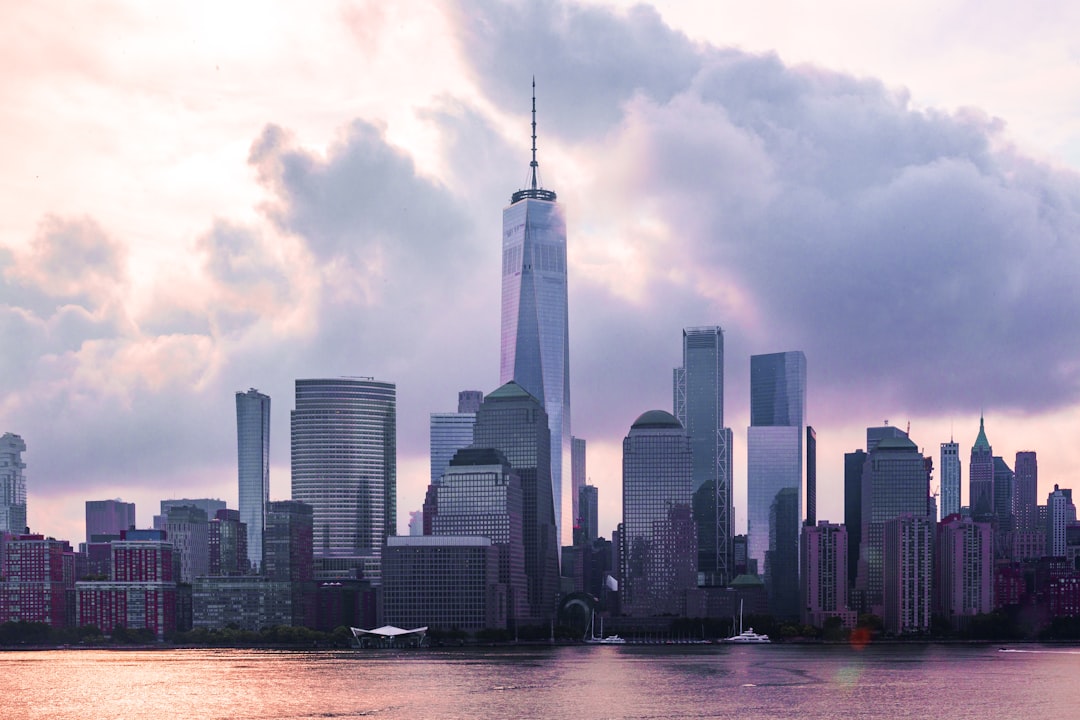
column 981, row 442
column 534, row 190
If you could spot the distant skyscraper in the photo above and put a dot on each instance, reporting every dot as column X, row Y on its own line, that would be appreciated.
column 1057, row 519
column 188, row 529
column 659, row 555
column 907, row 566
column 895, row 483
column 981, row 477
column 950, row 479
column 227, row 539
column 1026, row 499
column 253, row 467
column 210, row 506
column 823, row 575
column 589, row 504
column 513, row 422
column 344, row 465
column 774, row 468
column 108, row 517
column 874, row 435
column 12, row 484
column 1004, row 498
column 450, row 432
column 577, row 474
column 698, row 396
column 535, row 347
column 811, row 477
column 964, row 568
column 288, row 554
column 853, row 473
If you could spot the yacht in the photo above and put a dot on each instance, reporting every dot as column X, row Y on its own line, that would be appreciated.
column 746, row 637
column 591, row 639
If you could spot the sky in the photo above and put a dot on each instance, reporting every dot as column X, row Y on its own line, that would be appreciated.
column 198, row 198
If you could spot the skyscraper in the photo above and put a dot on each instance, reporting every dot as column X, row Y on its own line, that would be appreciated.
column 577, row 475
column 853, row 472
column 981, row 477
column 1026, row 499
column 589, row 505
column 950, row 479
column 823, row 581
column 907, row 566
column 513, row 422
column 775, row 465
column 12, row 484
column 811, row 477
column 659, row 555
column 450, row 432
column 698, row 399
column 964, row 568
column 253, row 467
column 535, row 347
column 344, row 465
column 108, row 517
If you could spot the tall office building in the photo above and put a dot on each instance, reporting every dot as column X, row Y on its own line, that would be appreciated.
column 874, row 435
column 774, row 469
column 1026, row 498
column 108, row 517
column 981, row 477
column 450, row 432
column 188, row 529
column 535, row 347
column 288, row 554
column 1004, row 499
column 210, row 506
column 12, row 484
column 1057, row 519
column 811, row 477
column 853, row 472
column 895, row 482
column 950, row 478
column 344, row 465
column 589, row 504
column 253, row 467
column 513, row 422
column 698, row 399
column 659, row 560
column 577, row 475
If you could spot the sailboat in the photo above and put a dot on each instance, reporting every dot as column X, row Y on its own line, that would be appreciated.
column 746, row 637
column 590, row 635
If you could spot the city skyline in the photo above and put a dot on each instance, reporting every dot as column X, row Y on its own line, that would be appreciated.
column 130, row 351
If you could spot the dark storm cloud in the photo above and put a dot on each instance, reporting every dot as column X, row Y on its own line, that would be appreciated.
column 919, row 261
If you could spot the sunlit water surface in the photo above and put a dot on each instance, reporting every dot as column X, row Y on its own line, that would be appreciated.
column 922, row 681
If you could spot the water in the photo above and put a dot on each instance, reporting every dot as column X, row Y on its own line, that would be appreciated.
column 917, row 681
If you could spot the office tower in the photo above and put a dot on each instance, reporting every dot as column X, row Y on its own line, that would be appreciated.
column 1057, row 519
column 344, row 465
column 577, row 475
column 1004, row 498
column 1026, row 498
column 698, row 399
column 188, row 529
column 895, row 482
column 874, row 435
column 513, row 422
column 480, row 495
column 659, row 560
column 38, row 573
column 775, row 465
column 288, row 556
column 950, row 479
column 253, row 467
column 468, row 401
column 853, row 472
column 450, row 432
column 981, row 477
column 811, row 477
column 210, row 506
column 908, row 559
column 12, row 485
column 535, row 346
column 823, row 581
column 589, row 503
column 227, row 544
column 964, row 569
column 738, row 557
column 108, row 517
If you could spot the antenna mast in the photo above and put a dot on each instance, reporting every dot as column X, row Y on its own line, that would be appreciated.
column 533, row 164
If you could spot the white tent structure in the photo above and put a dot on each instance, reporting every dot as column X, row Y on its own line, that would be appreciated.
column 390, row 636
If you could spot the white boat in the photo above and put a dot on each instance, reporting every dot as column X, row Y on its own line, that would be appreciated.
column 591, row 639
column 748, row 636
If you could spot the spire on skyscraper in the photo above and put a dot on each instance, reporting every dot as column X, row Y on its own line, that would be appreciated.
column 534, row 191
column 981, row 443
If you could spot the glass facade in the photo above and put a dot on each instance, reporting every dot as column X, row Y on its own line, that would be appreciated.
column 535, row 346
column 577, row 476
column 774, row 472
column 659, row 541
column 12, row 484
column 698, row 400
column 1027, row 490
column 513, row 422
column 950, row 479
column 253, row 465
column 344, row 464
column 449, row 432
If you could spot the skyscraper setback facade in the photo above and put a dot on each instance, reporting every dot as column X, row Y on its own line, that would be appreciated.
column 535, row 346
column 698, row 399
column 950, row 479
column 344, row 465
column 253, row 467
column 774, row 473
column 12, row 484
